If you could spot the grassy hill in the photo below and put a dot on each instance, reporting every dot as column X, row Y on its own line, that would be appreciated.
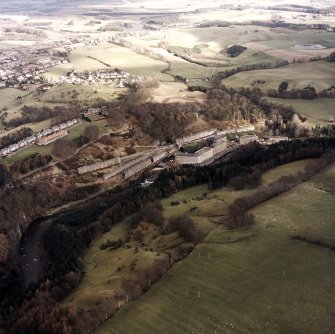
column 103, row 276
column 317, row 111
column 319, row 74
column 252, row 280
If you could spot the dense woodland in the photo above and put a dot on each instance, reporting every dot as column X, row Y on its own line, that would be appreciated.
column 71, row 233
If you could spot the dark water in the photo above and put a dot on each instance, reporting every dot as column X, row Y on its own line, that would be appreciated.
column 31, row 246
column 30, row 251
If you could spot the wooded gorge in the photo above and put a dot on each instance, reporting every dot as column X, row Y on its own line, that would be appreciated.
column 71, row 233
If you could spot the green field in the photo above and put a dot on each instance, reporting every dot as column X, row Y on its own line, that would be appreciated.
column 84, row 95
column 102, row 279
column 111, row 56
column 194, row 71
column 79, row 130
column 317, row 111
column 255, row 280
column 279, row 38
column 264, row 45
column 56, row 96
column 324, row 38
column 320, row 74
column 9, row 102
column 29, row 151
column 74, row 132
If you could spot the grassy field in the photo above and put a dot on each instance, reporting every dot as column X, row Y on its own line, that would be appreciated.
column 9, row 102
column 255, row 280
column 96, row 274
column 57, row 96
column 80, row 129
column 287, row 42
column 318, row 111
column 111, row 56
column 74, row 132
column 307, row 210
column 29, row 151
column 102, row 279
column 84, row 95
column 194, row 71
column 320, row 74
column 264, row 45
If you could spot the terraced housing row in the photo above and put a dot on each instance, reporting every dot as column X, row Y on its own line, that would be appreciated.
column 44, row 137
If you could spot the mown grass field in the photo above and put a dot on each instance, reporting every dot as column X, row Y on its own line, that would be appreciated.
column 254, row 280
column 319, row 74
column 318, row 111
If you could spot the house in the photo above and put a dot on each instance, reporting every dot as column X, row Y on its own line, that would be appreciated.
column 46, row 132
column 51, row 138
column 55, row 128
column 62, row 126
column 14, row 147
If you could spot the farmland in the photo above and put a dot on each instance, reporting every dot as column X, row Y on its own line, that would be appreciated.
column 111, row 56
column 251, row 280
column 264, row 45
column 317, row 111
column 103, row 279
column 205, row 48
column 319, row 74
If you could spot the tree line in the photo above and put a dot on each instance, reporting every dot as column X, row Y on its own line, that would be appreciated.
column 217, row 78
column 31, row 114
column 307, row 93
column 15, row 137
column 30, row 163
column 238, row 211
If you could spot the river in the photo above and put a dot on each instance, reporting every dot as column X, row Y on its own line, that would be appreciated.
column 30, row 251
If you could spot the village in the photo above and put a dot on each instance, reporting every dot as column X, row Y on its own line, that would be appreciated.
column 94, row 77
column 23, row 67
